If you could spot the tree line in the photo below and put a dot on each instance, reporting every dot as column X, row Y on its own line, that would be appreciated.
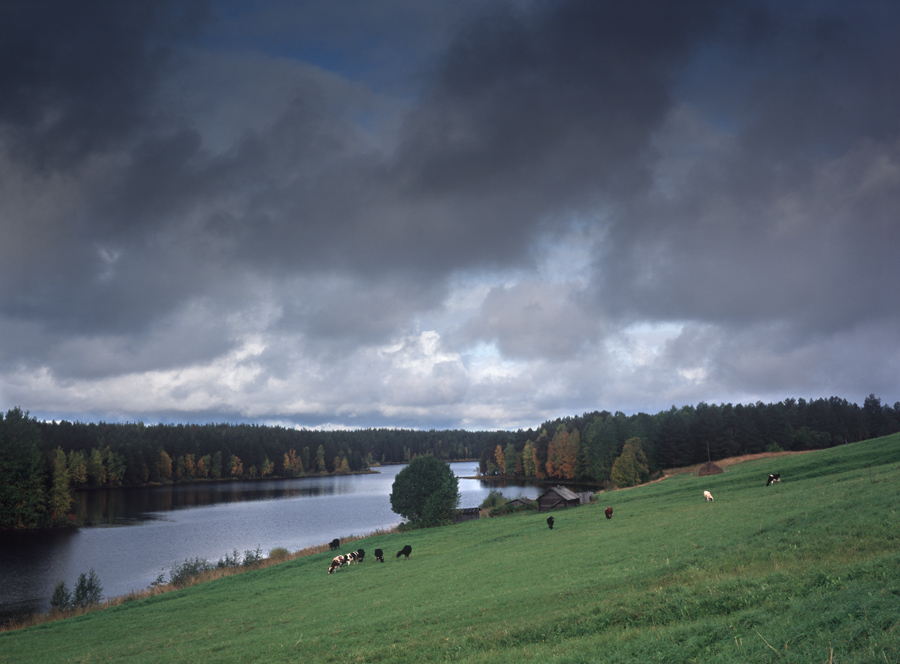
column 614, row 449
column 43, row 463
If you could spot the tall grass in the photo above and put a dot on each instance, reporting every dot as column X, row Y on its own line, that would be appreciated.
column 804, row 571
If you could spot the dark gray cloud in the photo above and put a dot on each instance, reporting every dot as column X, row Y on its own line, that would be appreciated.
column 77, row 77
column 787, row 213
column 458, row 214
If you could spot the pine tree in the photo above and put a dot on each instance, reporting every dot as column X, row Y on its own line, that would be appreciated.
column 60, row 491
column 62, row 598
column 631, row 467
column 23, row 471
column 509, row 460
column 88, row 590
column 77, row 468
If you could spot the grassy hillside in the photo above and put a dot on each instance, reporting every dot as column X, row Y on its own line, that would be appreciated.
column 805, row 571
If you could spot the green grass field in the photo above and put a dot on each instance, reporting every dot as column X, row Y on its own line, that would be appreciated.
column 805, row 571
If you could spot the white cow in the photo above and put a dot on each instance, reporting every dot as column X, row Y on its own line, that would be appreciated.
column 708, row 496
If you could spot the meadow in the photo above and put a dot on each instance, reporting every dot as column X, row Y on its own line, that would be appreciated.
column 803, row 571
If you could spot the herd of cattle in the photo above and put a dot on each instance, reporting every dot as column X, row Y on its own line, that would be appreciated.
column 358, row 555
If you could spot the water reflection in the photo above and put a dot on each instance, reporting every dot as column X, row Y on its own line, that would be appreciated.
column 159, row 527
column 117, row 507
column 28, row 564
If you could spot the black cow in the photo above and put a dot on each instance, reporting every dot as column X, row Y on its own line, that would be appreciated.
column 405, row 551
column 360, row 555
column 774, row 477
column 335, row 543
column 379, row 555
column 550, row 522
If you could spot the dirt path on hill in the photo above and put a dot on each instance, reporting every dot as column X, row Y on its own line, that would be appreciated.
column 730, row 461
column 722, row 463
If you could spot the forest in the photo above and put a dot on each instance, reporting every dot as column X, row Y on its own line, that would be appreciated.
column 43, row 463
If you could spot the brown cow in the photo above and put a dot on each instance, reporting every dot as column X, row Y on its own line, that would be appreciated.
column 337, row 563
column 608, row 512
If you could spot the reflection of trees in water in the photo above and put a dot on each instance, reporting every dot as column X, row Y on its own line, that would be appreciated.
column 24, row 558
column 542, row 485
column 122, row 506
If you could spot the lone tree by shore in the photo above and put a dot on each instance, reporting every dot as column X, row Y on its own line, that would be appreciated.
column 426, row 492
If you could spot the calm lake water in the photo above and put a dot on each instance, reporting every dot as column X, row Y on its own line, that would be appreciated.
column 131, row 536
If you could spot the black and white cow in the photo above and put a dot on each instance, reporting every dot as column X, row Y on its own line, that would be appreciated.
column 774, row 477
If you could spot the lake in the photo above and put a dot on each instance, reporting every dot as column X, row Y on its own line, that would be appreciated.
column 131, row 536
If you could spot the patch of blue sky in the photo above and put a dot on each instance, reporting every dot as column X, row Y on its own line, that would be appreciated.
column 567, row 258
column 332, row 39
column 640, row 343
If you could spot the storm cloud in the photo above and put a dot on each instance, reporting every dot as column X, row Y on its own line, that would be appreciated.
column 445, row 214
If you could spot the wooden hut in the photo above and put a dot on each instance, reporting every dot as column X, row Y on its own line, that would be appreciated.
column 709, row 468
column 519, row 502
column 466, row 514
column 557, row 496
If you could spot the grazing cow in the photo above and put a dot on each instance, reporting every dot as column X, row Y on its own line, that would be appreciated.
column 550, row 522
column 379, row 555
column 708, row 496
column 360, row 555
column 405, row 551
column 608, row 512
column 351, row 557
column 337, row 563
column 775, row 477
column 335, row 543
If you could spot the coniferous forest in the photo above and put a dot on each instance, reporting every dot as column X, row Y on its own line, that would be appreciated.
column 43, row 463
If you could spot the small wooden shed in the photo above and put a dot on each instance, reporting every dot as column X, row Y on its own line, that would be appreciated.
column 557, row 496
column 519, row 502
column 466, row 514
column 709, row 468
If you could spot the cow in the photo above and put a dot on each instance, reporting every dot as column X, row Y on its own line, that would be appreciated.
column 335, row 543
column 360, row 555
column 379, row 555
column 608, row 512
column 337, row 563
column 405, row 551
column 775, row 477
column 708, row 496
column 351, row 557
column 550, row 522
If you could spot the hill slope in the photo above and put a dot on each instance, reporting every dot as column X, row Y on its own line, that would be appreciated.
column 804, row 571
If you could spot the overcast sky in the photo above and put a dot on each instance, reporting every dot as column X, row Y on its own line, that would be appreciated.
column 457, row 214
